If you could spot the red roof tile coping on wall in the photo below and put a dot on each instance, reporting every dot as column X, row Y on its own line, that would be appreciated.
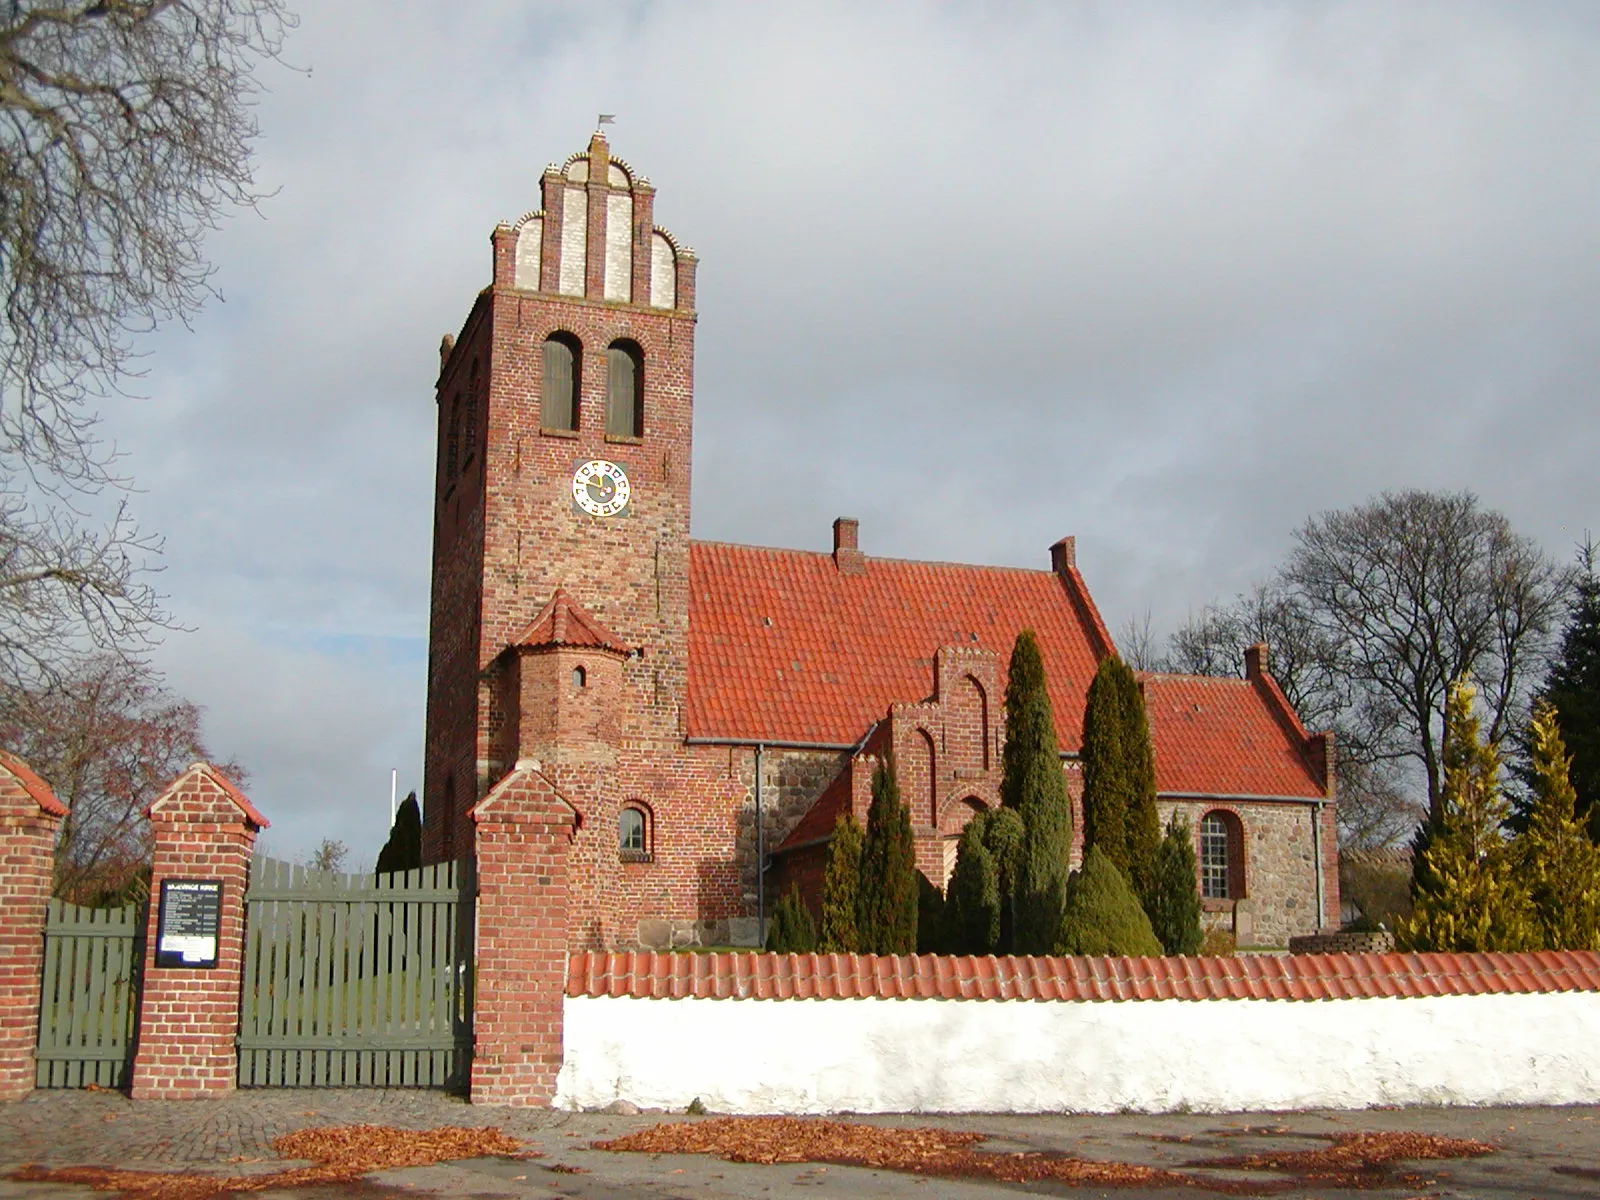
column 645, row 975
column 32, row 784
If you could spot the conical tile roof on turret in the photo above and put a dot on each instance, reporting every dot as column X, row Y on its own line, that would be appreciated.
column 565, row 622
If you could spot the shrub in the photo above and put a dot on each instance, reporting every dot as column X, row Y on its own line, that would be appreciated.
column 1219, row 943
column 1102, row 915
column 792, row 930
column 972, row 904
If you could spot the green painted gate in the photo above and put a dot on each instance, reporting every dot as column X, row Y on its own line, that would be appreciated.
column 90, row 988
column 356, row 980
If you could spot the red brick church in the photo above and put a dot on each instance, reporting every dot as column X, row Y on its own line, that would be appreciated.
column 670, row 690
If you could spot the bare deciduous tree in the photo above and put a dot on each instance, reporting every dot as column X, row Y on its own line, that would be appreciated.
column 107, row 738
column 1415, row 590
column 1378, row 609
column 125, row 133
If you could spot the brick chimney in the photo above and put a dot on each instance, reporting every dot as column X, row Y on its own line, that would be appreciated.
column 1257, row 661
column 1064, row 555
column 847, row 555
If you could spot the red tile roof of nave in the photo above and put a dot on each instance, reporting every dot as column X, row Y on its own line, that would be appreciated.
column 783, row 646
column 1226, row 737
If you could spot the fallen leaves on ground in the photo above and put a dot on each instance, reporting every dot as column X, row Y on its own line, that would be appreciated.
column 1352, row 1160
column 942, row 1152
column 338, row 1154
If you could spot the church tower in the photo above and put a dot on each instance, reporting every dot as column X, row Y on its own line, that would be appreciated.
column 561, row 514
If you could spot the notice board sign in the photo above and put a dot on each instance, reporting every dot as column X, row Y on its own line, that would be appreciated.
column 189, row 923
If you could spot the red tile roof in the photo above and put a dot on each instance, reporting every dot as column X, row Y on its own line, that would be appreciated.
column 784, row 647
column 32, row 784
column 565, row 622
column 646, row 975
column 1224, row 736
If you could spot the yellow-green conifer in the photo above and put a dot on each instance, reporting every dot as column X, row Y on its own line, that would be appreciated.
column 1555, row 859
column 1468, row 894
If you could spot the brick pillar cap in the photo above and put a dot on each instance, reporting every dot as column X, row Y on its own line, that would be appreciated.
column 202, row 772
column 30, row 782
column 509, row 799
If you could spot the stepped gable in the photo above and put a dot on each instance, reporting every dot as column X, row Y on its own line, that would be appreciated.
column 786, row 646
column 1223, row 737
column 565, row 622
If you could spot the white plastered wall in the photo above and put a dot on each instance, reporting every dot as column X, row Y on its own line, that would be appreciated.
column 817, row 1056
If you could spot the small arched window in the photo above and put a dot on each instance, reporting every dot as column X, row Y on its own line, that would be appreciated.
column 624, row 390
column 633, row 834
column 1221, row 856
column 558, row 402
column 580, row 677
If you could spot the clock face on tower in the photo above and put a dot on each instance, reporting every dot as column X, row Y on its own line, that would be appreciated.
column 600, row 488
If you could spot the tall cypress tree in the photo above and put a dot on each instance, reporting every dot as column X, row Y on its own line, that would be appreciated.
column 1031, row 782
column 1554, row 857
column 1119, row 775
column 1466, row 893
column 841, row 881
column 886, row 904
column 1573, row 688
column 403, row 850
column 972, row 901
column 1174, row 903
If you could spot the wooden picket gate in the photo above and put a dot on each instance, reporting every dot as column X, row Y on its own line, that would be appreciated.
column 356, row 980
column 88, row 995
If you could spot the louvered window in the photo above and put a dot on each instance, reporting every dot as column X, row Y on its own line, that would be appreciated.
column 624, row 404
column 559, row 401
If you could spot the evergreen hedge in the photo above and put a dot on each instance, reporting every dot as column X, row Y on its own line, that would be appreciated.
column 1102, row 916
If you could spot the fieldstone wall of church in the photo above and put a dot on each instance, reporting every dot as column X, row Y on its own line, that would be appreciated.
column 1280, row 896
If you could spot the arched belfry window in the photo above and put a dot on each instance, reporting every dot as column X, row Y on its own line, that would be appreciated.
column 558, row 402
column 1221, row 856
column 624, row 390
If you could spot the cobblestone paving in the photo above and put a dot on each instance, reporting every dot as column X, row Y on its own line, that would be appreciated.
column 69, row 1128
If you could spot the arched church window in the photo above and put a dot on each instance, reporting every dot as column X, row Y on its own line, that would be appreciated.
column 624, row 390
column 1221, row 856
column 580, row 677
column 633, row 834
column 558, row 402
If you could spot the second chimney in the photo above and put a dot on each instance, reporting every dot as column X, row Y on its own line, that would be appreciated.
column 847, row 554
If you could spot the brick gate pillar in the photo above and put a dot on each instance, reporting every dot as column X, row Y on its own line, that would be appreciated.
column 30, row 815
column 524, row 832
column 204, row 828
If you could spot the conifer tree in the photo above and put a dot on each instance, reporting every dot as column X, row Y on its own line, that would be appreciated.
column 403, row 850
column 932, row 931
column 972, row 901
column 1573, row 688
column 1466, row 894
column 1032, row 784
column 792, row 930
column 1102, row 915
column 1119, row 775
column 1004, row 836
column 841, row 880
column 1174, row 904
column 1554, row 857
column 886, row 904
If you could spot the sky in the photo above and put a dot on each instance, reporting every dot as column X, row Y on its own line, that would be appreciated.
column 1171, row 277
